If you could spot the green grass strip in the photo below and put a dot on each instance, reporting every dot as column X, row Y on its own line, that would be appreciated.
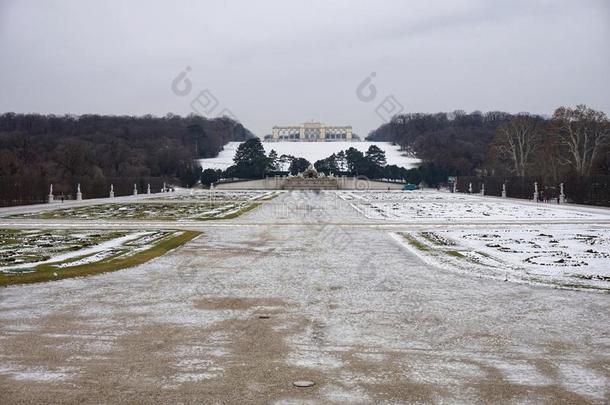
column 455, row 253
column 414, row 242
column 45, row 272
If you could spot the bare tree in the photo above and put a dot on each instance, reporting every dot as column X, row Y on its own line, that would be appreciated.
column 584, row 133
column 517, row 140
column 548, row 162
column 71, row 155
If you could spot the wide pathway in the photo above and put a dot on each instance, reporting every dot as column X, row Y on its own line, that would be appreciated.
column 239, row 314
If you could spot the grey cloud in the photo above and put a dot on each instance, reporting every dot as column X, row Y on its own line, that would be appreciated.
column 286, row 62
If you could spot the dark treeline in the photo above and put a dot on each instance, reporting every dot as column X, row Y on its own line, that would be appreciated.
column 572, row 143
column 37, row 150
column 448, row 143
column 592, row 190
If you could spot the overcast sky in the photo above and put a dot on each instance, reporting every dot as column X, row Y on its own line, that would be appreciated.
column 285, row 62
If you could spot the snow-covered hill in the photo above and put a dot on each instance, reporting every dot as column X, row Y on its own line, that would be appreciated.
column 311, row 151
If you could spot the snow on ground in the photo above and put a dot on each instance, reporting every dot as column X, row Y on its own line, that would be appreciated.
column 220, row 195
column 22, row 251
column 166, row 211
column 575, row 256
column 312, row 151
column 422, row 206
column 345, row 306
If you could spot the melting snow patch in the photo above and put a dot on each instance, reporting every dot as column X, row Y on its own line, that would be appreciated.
column 39, row 374
column 584, row 381
column 313, row 359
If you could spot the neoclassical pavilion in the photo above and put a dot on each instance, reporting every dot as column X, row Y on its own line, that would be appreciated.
column 312, row 132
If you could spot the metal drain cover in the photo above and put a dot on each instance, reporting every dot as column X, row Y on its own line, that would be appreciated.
column 303, row 383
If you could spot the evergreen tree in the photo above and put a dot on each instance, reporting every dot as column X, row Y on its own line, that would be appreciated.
column 376, row 156
column 341, row 161
column 328, row 165
column 250, row 160
column 375, row 159
column 273, row 161
column 298, row 165
column 209, row 176
column 356, row 163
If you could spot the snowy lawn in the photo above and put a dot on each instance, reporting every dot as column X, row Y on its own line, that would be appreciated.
column 567, row 256
column 414, row 206
column 222, row 195
column 171, row 211
column 22, row 248
column 36, row 255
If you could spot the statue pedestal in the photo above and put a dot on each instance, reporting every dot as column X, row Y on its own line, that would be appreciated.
column 79, row 196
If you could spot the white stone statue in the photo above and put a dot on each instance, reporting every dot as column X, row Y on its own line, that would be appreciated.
column 482, row 188
column 562, row 197
column 51, row 197
column 148, row 188
column 503, row 190
column 535, row 191
column 135, row 189
column 79, row 195
column 470, row 187
column 111, row 191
